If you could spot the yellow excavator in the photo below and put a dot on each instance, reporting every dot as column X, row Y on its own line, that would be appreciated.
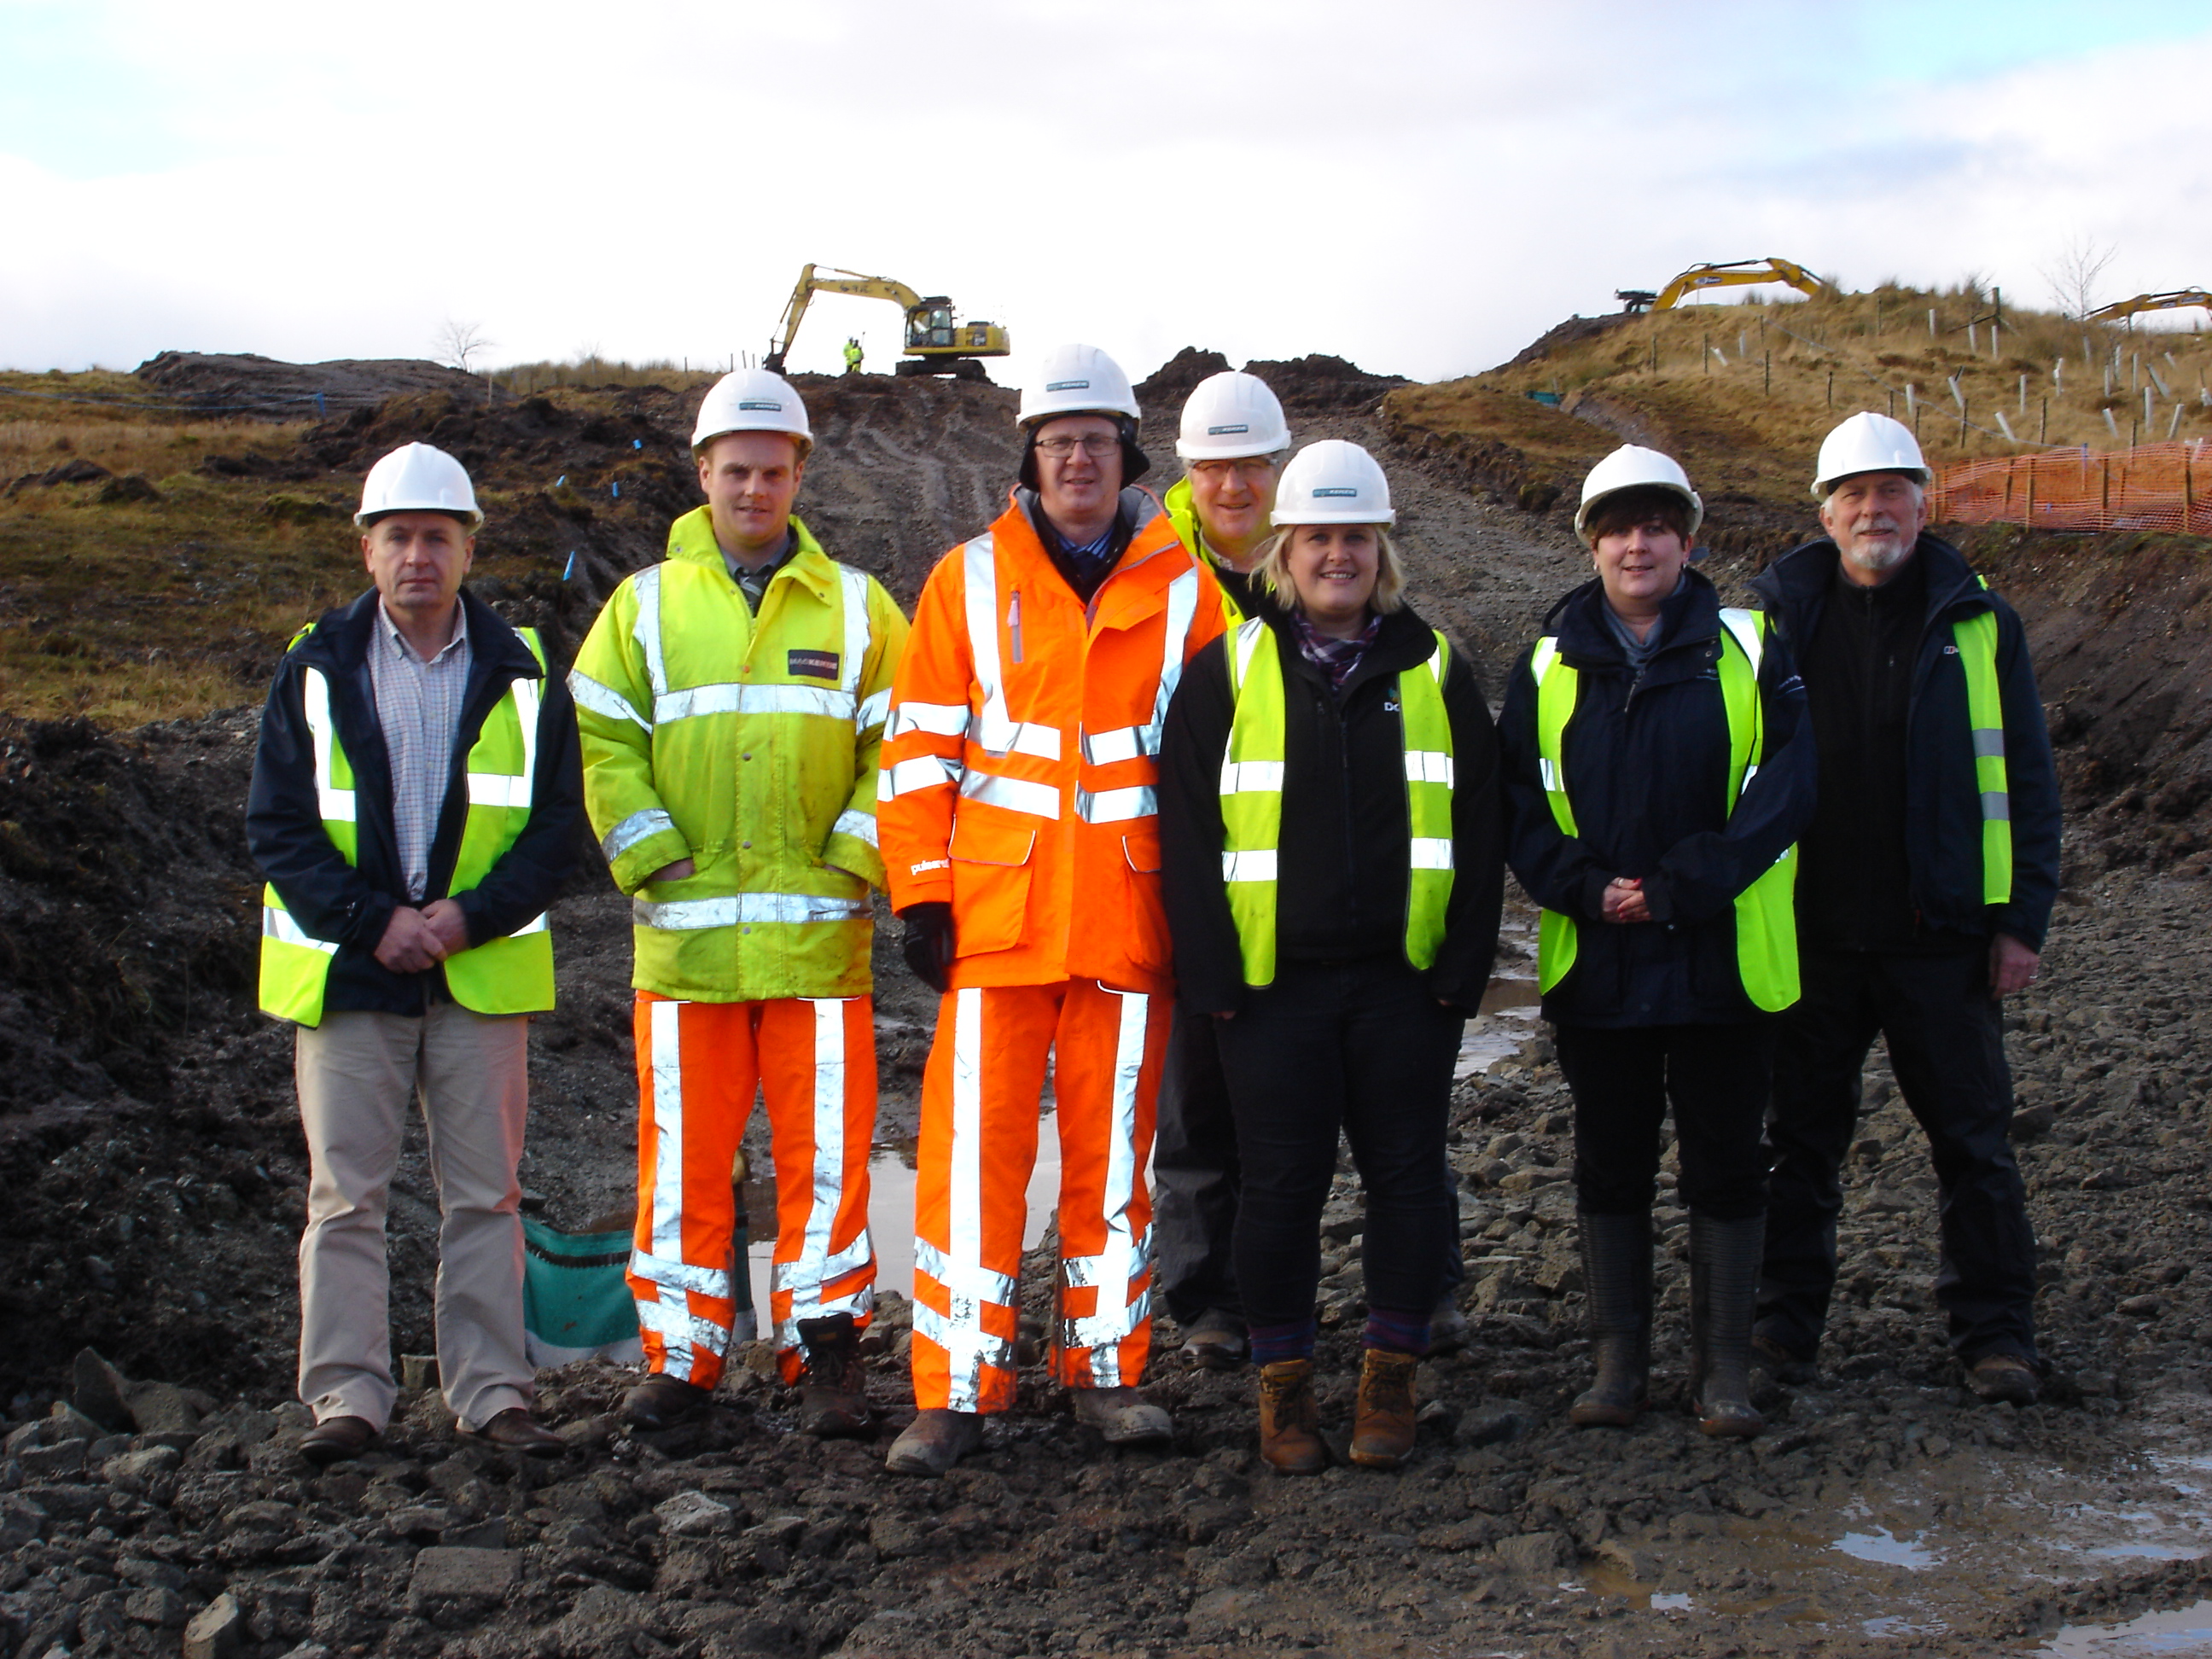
column 1735, row 273
column 2176, row 301
column 935, row 343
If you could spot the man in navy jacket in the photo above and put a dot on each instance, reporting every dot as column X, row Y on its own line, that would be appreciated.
column 1926, row 885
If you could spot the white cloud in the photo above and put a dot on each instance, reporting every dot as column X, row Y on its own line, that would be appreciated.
column 1420, row 186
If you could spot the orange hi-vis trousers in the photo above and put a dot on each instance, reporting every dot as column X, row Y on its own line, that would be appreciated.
column 979, row 1141
column 698, row 1067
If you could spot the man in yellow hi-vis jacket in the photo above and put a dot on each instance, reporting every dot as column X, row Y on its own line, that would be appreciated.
column 732, row 700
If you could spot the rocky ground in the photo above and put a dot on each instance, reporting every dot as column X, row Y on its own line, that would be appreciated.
column 155, row 1179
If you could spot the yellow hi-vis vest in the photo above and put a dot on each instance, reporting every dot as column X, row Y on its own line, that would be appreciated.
column 1252, row 797
column 1976, row 640
column 1182, row 513
column 1766, row 913
column 509, row 975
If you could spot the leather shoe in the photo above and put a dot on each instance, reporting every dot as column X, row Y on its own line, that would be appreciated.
column 1216, row 1341
column 337, row 1439
column 516, row 1431
column 1997, row 1377
column 662, row 1401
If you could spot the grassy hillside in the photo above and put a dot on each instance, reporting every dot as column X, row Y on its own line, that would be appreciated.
column 1741, row 394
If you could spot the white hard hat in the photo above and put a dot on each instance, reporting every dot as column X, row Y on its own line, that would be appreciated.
column 1867, row 442
column 751, row 400
column 1634, row 467
column 418, row 478
column 1333, row 482
column 1076, row 379
column 1230, row 414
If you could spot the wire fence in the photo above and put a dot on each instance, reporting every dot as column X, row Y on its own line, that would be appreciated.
column 2165, row 487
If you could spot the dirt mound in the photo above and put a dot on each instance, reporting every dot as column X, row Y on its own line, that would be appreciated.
column 1321, row 383
column 1562, row 335
column 255, row 386
column 1175, row 379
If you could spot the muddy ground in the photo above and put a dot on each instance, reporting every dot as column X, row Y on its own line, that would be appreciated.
column 154, row 1175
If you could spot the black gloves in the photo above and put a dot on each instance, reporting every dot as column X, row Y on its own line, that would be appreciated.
column 928, row 945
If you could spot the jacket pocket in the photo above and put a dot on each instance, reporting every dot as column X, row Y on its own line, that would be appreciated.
column 990, row 880
column 1143, row 908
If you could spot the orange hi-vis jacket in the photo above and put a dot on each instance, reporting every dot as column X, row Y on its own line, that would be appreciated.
column 1019, row 765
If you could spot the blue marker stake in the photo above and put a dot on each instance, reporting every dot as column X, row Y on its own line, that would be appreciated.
column 560, row 481
column 617, row 489
column 637, row 443
column 571, row 568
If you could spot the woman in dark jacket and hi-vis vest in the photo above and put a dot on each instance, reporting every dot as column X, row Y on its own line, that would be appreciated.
column 1658, row 770
column 1330, row 853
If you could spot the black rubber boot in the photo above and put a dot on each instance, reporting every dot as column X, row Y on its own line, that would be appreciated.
column 1617, row 1282
column 1723, row 1298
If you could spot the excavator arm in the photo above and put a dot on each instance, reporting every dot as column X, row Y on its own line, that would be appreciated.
column 828, row 279
column 2174, row 301
column 1739, row 273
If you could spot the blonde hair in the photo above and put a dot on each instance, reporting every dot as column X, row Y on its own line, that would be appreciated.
column 1271, row 570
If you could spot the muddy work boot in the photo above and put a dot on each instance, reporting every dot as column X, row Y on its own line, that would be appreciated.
column 1447, row 1328
column 1785, row 1365
column 662, row 1401
column 1998, row 1378
column 1290, row 1421
column 1382, row 1422
column 1723, row 1296
column 1617, row 1278
column 1123, row 1416
column 834, row 1398
column 934, row 1442
column 1216, row 1341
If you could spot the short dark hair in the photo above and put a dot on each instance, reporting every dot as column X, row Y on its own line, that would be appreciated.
column 1627, row 508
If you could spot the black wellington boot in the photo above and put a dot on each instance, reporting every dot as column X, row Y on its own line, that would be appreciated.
column 1723, row 1298
column 1617, row 1282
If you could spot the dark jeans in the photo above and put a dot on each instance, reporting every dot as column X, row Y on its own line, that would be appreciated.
column 1623, row 1078
column 1947, row 1046
column 1363, row 1048
column 1195, row 1176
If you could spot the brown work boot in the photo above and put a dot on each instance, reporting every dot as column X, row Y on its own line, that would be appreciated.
column 934, row 1442
column 1290, row 1421
column 337, row 1440
column 516, row 1431
column 1382, row 1422
column 1125, row 1417
column 1998, row 1378
column 834, row 1398
column 662, row 1401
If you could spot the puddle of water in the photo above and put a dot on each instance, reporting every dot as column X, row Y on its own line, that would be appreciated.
column 2183, row 1630
column 1882, row 1546
column 1897, row 1625
column 891, row 1211
column 1668, row 1601
column 1506, row 1021
column 1603, row 1580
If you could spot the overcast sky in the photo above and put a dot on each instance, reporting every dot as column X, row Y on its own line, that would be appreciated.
column 1421, row 187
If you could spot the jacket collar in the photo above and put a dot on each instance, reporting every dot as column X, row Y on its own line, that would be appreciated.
column 1689, row 616
column 691, row 541
column 1799, row 581
column 341, row 638
column 1152, row 531
column 1403, row 641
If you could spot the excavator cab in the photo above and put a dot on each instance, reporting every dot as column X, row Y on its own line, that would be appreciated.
column 929, row 326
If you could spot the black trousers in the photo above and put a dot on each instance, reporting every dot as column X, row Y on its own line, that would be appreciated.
column 1363, row 1049
column 1623, row 1077
column 1195, row 1175
column 1947, row 1046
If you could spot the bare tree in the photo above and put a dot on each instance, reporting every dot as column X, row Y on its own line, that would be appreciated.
column 2075, row 273
column 461, row 344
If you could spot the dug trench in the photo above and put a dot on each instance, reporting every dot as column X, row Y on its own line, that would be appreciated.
column 155, row 1178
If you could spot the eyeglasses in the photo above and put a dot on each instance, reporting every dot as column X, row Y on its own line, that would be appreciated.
column 1099, row 446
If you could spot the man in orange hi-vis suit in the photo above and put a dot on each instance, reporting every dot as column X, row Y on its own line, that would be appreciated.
column 1020, row 838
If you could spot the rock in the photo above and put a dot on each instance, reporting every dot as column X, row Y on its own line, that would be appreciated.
column 160, row 1408
column 134, row 1470
column 2141, row 1307
column 97, row 1389
column 52, row 1462
column 1471, row 1534
column 448, row 1573
column 693, row 1513
column 1493, row 1425
column 1527, row 1180
column 21, row 1520
column 418, row 1370
column 131, row 487
column 216, row 1630
column 2032, row 1122
column 155, row 1604
column 1642, row 1564
column 1536, row 1552
column 2113, row 1179
column 896, row 1536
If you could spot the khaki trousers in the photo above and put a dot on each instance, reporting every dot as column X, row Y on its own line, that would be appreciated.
column 356, row 1072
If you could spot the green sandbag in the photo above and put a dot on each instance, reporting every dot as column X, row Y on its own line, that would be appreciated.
column 576, row 1304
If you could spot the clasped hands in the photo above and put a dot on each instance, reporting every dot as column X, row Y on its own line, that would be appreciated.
column 417, row 940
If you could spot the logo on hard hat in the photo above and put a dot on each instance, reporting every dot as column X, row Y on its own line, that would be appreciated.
column 770, row 404
column 1224, row 431
column 1336, row 489
column 1068, row 385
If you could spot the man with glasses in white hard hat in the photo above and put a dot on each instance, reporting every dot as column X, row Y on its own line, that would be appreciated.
column 1928, row 878
column 414, row 803
column 732, row 701
column 1020, row 832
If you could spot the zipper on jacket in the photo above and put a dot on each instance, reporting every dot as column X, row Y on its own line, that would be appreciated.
column 1014, row 622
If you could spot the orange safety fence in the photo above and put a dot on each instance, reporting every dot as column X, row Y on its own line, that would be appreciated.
column 2151, row 487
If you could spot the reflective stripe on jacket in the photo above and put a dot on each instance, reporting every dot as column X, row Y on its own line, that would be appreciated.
column 1182, row 513
column 1020, row 768
column 1252, row 798
column 1765, row 914
column 749, row 745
